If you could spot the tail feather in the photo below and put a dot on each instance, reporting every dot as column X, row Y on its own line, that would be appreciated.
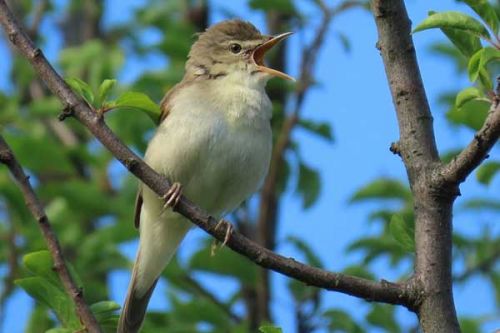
column 134, row 309
column 159, row 239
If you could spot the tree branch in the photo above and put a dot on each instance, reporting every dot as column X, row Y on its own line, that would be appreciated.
column 477, row 150
column 7, row 157
column 433, row 202
column 383, row 291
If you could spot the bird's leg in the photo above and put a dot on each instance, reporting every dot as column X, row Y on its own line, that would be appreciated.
column 172, row 197
column 229, row 230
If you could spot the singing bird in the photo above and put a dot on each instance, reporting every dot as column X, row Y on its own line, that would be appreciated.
column 214, row 143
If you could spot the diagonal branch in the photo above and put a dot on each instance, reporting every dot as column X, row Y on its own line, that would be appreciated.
column 7, row 157
column 477, row 150
column 383, row 291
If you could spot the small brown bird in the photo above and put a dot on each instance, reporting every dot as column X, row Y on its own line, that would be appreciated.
column 214, row 138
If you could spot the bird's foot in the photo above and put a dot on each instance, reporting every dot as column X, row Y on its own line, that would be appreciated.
column 229, row 230
column 172, row 197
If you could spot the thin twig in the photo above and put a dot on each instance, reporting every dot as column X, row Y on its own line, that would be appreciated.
column 7, row 157
column 370, row 290
column 476, row 151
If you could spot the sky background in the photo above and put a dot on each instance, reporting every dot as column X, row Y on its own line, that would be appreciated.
column 354, row 98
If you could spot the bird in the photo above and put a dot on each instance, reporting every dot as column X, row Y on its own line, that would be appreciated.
column 213, row 143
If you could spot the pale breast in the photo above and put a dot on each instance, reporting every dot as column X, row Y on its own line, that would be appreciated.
column 217, row 145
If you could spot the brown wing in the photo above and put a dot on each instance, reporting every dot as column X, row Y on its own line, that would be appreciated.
column 165, row 111
column 138, row 207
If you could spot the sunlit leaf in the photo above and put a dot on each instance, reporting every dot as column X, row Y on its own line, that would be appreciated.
column 486, row 11
column 104, row 90
column 138, row 101
column 453, row 20
column 467, row 95
column 341, row 321
column 81, row 88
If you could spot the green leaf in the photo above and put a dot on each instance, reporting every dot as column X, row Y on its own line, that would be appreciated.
column 81, row 88
column 270, row 329
column 487, row 171
column 467, row 44
column 482, row 204
column 359, row 271
column 402, row 232
column 471, row 114
column 324, row 130
column 309, row 185
column 138, row 101
column 40, row 263
column 486, row 11
column 104, row 90
column 104, row 306
column 489, row 54
column 382, row 316
column 467, row 95
column 384, row 188
column 56, row 299
column 104, row 310
column 453, row 20
column 474, row 65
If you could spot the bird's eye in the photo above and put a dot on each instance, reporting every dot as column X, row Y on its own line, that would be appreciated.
column 235, row 48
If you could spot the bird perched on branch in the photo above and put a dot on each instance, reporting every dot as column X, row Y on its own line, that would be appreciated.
column 214, row 143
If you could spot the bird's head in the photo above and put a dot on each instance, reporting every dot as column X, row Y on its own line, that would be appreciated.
column 233, row 46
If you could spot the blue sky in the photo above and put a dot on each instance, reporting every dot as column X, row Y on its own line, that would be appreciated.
column 354, row 98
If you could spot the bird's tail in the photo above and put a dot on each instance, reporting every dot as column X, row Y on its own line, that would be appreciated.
column 158, row 243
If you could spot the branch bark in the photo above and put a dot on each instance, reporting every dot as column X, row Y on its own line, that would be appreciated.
column 417, row 147
column 392, row 293
column 477, row 150
column 7, row 157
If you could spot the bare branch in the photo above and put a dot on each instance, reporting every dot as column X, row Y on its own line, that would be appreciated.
column 7, row 157
column 477, row 150
column 383, row 291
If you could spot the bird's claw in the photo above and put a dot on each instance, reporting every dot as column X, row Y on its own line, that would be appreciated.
column 173, row 196
column 229, row 230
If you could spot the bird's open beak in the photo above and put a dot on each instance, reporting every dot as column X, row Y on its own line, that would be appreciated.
column 260, row 51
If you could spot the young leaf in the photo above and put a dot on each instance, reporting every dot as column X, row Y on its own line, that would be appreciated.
column 310, row 257
column 402, row 232
column 474, row 65
column 82, row 89
column 486, row 11
column 467, row 95
column 453, row 20
column 138, row 101
column 384, row 188
column 104, row 90
column 270, row 329
column 487, row 171
column 489, row 54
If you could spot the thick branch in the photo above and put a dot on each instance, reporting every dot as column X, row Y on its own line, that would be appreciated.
column 417, row 147
column 370, row 290
column 460, row 167
column 7, row 157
